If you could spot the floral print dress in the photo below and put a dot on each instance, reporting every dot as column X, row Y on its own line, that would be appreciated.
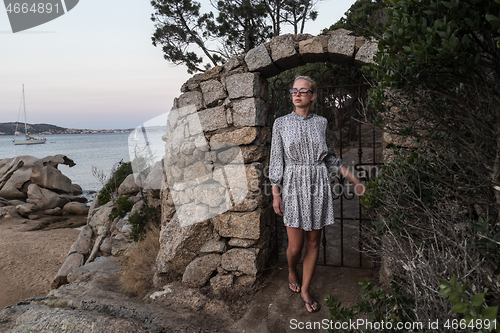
column 302, row 159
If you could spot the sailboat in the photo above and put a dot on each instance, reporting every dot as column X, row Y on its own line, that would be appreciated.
column 28, row 139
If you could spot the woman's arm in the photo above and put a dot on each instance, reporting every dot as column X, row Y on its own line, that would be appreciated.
column 359, row 187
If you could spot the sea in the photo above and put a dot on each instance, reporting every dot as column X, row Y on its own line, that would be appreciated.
column 100, row 150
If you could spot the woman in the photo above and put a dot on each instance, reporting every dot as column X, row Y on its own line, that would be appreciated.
column 302, row 158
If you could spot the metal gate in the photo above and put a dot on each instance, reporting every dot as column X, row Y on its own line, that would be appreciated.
column 340, row 99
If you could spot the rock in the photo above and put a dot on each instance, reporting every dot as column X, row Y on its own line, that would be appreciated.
column 244, row 281
column 54, row 211
column 101, row 217
column 128, row 186
column 114, row 246
column 199, row 270
column 259, row 60
column 73, row 261
column 178, row 245
column 76, row 208
column 210, row 119
column 247, row 225
column 46, row 174
column 341, row 47
column 101, row 266
column 365, row 54
column 155, row 178
column 83, row 243
column 249, row 112
column 241, row 242
column 26, row 209
column 15, row 176
column 9, row 212
column 33, row 217
column 213, row 91
column 313, row 49
column 45, row 199
column 76, row 189
column 240, row 136
column 16, row 202
column 283, row 51
column 246, row 261
column 191, row 98
column 246, row 85
column 213, row 246
column 4, row 202
column 221, row 283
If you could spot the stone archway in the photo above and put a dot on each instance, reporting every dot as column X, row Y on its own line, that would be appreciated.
column 214, row 229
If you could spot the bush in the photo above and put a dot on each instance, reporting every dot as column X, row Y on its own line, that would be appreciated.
column 123, row 206
column 376, row 306
column 142, row 220
column 118, row 174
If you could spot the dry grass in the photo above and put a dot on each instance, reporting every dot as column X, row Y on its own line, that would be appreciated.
column 137, row 268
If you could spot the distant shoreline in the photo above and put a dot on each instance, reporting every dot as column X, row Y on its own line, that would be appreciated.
column 48, row 129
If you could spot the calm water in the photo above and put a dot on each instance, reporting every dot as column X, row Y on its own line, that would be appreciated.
column 101, row 150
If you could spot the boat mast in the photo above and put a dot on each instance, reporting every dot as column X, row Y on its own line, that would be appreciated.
column 24, row 105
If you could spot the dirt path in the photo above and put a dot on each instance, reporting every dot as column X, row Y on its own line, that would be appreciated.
column 29, row 260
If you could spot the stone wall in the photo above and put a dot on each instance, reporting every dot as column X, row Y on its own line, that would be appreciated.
column 216, row 205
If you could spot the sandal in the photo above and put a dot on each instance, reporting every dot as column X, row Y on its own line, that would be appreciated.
column 295, row 285
column 311, row 305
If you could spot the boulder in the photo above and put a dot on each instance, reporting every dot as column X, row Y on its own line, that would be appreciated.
column 9, row 212
column 73, row 261
column 246, row 261
column 179, row 245
column 44, row 198
column 26, row 209
column 46, row 174
column 54, row 211
column 75, row 208
column 83, row 243
column 221, row 283
column 101, row 216
column 128, row 186
column 199, row 270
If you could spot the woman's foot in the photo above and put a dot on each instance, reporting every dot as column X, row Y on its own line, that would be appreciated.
column 311, row 304
column 294, row 282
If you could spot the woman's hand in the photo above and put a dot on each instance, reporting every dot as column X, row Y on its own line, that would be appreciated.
column 359, row 188
column 278, row 205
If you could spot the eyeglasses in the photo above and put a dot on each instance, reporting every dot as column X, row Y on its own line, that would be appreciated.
column 300, row 92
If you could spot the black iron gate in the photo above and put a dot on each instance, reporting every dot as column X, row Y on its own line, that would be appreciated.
column 340, row 99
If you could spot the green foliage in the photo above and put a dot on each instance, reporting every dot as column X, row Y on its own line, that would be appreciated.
column 123, row 206
column 476, row 315
column 142, row 220
column 375, row 305
column 118, row 175
column 236, row 26
column 364, row 18
column 442, row 46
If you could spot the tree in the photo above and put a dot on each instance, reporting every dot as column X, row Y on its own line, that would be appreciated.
column 439, row 88
column 296, row 13
column 241, row 25
column 237, row 27
column 179, row 25
column 364, row 18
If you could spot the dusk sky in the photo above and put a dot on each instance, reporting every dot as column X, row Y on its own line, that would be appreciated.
column 95, row 66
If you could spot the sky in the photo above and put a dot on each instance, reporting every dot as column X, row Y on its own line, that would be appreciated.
column 95, row 66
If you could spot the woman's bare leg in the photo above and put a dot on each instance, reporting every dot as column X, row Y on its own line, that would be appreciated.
column 313, row 239
column 293, row 254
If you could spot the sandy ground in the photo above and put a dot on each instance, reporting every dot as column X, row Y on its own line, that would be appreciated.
column 30, row 258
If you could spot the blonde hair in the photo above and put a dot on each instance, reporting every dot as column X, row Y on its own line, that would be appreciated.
column 313, row 87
